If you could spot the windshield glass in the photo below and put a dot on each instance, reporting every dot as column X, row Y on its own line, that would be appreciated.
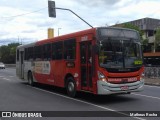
column 119, row 53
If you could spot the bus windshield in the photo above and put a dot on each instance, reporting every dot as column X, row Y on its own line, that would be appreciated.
column 117, row 53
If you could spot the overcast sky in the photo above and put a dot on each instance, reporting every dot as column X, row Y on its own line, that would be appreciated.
column 28, row 21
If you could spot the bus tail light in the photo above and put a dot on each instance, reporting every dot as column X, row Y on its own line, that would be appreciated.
column 101, row 76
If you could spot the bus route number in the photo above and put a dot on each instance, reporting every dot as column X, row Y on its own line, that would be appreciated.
column 84, row 38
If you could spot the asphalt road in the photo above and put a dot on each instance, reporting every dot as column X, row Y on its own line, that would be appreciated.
column 16, row 95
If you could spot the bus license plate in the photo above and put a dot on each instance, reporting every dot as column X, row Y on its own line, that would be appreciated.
column 124, row 88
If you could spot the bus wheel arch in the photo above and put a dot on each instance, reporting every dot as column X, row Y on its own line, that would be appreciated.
column 30, row 78
column 70, row 85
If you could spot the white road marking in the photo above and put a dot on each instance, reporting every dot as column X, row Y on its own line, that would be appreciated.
column 152, row 86
column 11, row 76
column 146, row 96
column 105, row 108
column 6, row 79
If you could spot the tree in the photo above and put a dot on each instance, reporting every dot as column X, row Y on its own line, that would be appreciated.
column 8, row 53
column 4, row 53
column 157, row 40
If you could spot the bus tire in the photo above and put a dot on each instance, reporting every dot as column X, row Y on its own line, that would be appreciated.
column 30, row 79
column 71, row 87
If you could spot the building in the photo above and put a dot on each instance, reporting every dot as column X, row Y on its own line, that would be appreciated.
column 148, row 25
column 152, row 59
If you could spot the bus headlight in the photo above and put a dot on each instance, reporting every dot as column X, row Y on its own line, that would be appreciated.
column 101, row 76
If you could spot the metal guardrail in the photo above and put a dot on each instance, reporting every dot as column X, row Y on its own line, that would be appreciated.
column 10, row 65
column 152, row 72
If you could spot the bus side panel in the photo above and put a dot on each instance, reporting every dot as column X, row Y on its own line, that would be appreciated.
column 42, row 71
column 27, row 68
column 39, row 77
column 49, row 72
column 57, row 72
column 42, row 78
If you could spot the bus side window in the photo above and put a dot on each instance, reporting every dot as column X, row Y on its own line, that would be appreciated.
column 70, row 49
column 57, row 50
column 28, row 53
column 38, row 52
column 53, row 51
column 31, row 53
column 47, row 51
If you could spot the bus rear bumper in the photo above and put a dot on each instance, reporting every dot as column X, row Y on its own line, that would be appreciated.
column 105, row 88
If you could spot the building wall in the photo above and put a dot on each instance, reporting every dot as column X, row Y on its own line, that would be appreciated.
column 148, row 25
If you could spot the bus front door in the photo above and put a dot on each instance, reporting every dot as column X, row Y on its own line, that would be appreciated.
column 86, row 65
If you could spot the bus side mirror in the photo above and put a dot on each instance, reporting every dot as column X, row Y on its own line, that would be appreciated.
column 95, row 49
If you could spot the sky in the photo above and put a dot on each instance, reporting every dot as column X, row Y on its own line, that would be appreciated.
column 27, row 21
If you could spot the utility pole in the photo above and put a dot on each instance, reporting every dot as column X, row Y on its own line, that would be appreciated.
column 58, row 31
column 18, row 39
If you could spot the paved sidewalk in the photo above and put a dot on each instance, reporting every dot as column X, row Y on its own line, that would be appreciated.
column 152, row 81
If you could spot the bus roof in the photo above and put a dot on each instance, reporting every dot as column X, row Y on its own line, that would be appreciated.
column 25, row 46
column 67, row 36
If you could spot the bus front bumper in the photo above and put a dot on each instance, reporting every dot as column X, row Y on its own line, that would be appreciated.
column 105, row 88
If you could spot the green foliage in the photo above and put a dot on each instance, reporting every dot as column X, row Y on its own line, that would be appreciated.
column 145, row 41
column 131, row 26
column 8, row 53
column 157, row 39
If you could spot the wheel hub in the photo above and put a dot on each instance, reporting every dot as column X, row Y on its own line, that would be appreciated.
column 70, row 86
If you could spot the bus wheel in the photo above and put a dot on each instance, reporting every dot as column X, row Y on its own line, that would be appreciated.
column 30, row 79
column 71, row 87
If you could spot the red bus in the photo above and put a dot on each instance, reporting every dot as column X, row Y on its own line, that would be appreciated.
column 102, row 60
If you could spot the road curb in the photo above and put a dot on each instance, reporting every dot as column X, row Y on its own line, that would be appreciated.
column 153, row 84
